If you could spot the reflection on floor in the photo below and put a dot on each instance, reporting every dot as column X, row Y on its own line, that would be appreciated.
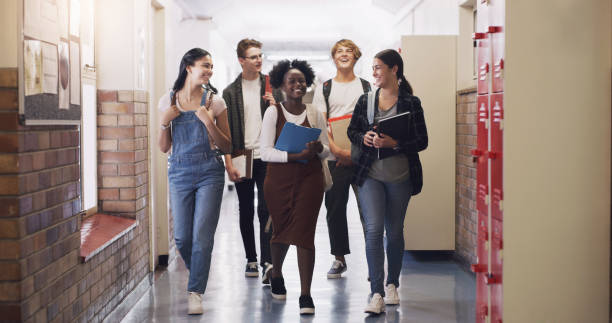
column 433, row 288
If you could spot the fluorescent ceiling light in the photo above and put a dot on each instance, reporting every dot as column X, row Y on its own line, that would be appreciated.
column 300, row 57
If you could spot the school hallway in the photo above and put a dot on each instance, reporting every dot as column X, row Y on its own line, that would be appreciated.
column 512, row 225
column 433, row 288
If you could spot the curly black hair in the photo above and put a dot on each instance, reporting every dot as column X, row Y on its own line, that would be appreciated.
column 277, row 74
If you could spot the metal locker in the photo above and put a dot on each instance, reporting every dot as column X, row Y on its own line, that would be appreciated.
column 480, row 154
column 481, row 268
column 494, row 279
column 482, row 298
column 496, row 39
column 496, row 155
column 496, row 12
column 484, row 59
column 482, row 16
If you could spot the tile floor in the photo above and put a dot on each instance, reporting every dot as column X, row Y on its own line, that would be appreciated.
column 433, row 287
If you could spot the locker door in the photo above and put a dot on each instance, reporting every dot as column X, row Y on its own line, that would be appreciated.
column 496, row 155
column 484, row 58
column 482, row 166
column 495, row 277
column 496, row 37
column 496, row 13
column 482, row 16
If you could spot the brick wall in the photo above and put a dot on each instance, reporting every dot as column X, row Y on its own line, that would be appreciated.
column 465, row 192
column 122, row 157
column 41, row 278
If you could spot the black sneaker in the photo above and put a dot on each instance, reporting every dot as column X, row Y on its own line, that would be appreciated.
column 336, row 270
column 251, row 270
column 306, row 305
column 278, row 288
column 265, row 273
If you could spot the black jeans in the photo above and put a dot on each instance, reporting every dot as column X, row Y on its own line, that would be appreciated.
column 246, row 206
column 335, row 203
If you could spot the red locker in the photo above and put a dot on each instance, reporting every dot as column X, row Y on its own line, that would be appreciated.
column 484, row 59
column 482, row 298
column 482, row 165
column 495, row 276
column 496, row 12
column 482, row 15
column 496, row 38
column 496, row 155
column 481, row 268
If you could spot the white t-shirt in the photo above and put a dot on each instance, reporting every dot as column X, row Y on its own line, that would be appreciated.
column 342, row 99
column 251, row 92
column 217, row 104
column 268, row 134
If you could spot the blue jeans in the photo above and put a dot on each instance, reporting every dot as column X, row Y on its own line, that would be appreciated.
column 384, row 206
column 196, row 190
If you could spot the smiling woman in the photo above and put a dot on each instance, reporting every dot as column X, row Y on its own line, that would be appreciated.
column 193, row 122
column 293, row 188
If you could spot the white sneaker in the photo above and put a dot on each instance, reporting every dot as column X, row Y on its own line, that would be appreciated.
column 376, row 305
column 195, row 304
column 391, row 295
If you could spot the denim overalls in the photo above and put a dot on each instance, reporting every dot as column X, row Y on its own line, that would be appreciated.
column 196, row 176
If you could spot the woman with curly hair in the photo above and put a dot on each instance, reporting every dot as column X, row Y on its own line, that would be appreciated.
column 293, row 190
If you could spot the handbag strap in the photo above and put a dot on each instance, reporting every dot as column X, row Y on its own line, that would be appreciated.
column 371, row 99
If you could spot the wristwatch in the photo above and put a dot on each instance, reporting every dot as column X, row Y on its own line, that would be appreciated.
column 165, row 127
column 396, row 148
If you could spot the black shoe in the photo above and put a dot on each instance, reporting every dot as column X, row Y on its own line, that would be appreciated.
column 277, row 285
column 306, row 305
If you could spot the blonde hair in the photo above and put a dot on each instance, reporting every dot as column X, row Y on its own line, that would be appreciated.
column 349, row 44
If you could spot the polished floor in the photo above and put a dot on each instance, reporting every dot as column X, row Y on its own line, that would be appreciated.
column 433, row 287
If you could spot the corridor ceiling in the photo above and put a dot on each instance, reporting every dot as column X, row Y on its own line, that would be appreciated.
column 307, row 26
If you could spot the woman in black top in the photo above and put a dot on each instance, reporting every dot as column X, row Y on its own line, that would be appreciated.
column 386, row 185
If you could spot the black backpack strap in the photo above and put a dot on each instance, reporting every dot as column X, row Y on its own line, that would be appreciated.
column 326, row 91
column 366, row 85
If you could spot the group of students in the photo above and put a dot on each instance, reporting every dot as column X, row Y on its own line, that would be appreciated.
column 201, row 126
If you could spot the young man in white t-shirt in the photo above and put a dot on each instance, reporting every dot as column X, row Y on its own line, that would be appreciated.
column 246, row 99
column 336, row 98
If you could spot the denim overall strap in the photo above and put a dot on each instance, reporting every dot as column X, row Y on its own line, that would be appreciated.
column 190, row 136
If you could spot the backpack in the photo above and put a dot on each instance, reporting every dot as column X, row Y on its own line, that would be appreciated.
column 327, row 91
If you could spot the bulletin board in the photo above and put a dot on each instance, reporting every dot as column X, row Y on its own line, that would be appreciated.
column 50, row 67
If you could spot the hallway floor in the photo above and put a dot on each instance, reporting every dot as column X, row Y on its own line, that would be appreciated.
column 433, row 287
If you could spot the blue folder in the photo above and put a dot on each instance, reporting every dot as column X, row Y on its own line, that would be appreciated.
column 293, row 138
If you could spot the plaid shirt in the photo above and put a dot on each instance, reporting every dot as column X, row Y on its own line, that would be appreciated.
column 418, row 133
column 232, row 95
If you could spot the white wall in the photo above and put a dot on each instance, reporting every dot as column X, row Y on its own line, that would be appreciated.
column 465, row 49
column 114, row 44
column 557, row 161
column 8, row 33
column 431, row 17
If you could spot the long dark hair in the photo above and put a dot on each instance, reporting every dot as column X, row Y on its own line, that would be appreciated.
column 392, row 58
column 189, row 59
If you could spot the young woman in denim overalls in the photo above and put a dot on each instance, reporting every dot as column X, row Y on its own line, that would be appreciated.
column 193, row 122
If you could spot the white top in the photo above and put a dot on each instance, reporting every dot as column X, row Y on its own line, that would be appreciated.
column 217, row 105
column 342, row 99
column 252, row 114
column 268, row 134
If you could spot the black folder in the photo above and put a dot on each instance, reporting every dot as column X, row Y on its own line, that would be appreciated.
column 397, row 127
